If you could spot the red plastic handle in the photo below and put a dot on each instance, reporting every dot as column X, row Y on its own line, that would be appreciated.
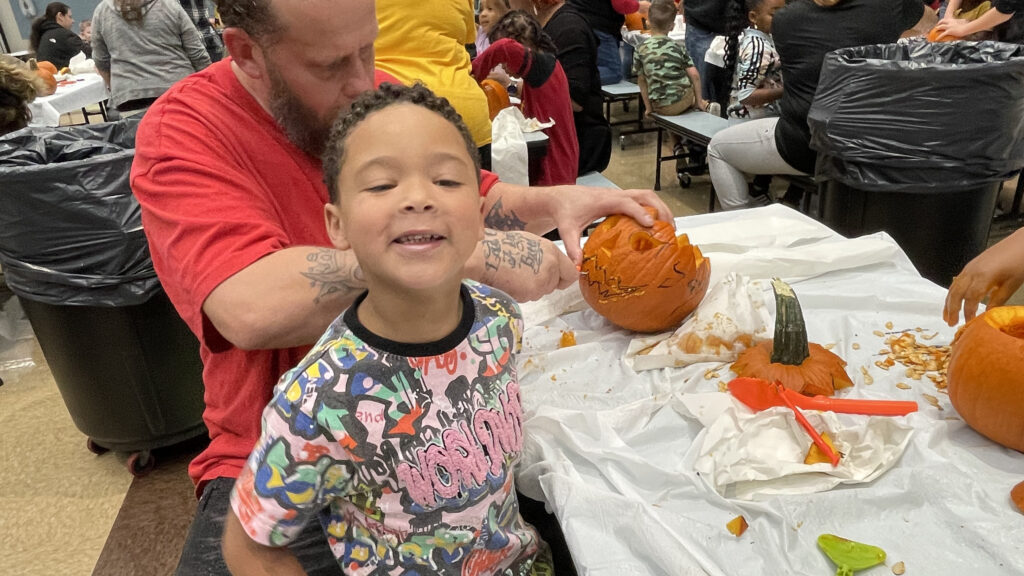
column 856, row 405
column 818, row 440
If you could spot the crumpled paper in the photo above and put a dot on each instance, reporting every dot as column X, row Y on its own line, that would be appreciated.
column 527, row 124
column 733, row 316
column 746, row 455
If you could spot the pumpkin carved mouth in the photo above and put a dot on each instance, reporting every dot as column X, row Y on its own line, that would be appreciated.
column 642, row 279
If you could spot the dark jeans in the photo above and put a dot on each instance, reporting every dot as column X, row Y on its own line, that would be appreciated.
column 202, row 555
column 715, row 83
column 609, row 62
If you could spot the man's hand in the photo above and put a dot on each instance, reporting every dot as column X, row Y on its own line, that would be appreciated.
column 570, row 209
column 996, row 273
column 954, row 27
column 524, row 265
column 576, row 207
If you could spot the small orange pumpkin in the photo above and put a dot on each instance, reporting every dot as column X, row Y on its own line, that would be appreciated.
column 986, row 375
column 49, row 83
column 642, row 279
column 636, row 22
column 45, row 65
column 497, row 96
column 936, row 35
column 799, row 365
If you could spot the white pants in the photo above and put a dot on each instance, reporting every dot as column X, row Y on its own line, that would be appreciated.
column 747, row 148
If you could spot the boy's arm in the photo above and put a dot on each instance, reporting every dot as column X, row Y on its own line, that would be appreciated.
column 641, row 81
column 691, row 72
column 987, row 21
column 244, row 556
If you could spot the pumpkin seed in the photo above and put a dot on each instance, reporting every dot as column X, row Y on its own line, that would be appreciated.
column 879, row 333
column 888, row 325
column 903, row 386
column 898, row 568
column 855, row 346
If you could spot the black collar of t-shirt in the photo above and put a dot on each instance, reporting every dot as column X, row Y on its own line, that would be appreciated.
column 418, row 349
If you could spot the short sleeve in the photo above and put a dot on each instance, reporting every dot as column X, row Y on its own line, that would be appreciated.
column 299, row 464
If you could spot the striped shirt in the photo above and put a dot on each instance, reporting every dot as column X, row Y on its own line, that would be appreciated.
column 757, row 66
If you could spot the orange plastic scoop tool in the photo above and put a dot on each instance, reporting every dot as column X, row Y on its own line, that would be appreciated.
column 811, row 431
column 759, row 395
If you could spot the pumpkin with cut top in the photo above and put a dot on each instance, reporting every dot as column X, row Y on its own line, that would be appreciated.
column 789, row 358
column 986, row 375
column 642, row 279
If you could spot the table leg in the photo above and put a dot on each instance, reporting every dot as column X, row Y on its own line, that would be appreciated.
column 657, row 164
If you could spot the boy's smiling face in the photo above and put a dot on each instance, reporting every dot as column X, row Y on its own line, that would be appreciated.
column 408, row 199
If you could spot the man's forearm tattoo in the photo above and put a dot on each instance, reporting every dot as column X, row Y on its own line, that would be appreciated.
column 511, row 250
column 500, row 219
column 328, row 276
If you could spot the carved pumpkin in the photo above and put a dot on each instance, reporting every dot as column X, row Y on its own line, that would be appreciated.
column 986, row 375
column 497, row 96
column 49, row 83
column 788, row 358
column 642, row 279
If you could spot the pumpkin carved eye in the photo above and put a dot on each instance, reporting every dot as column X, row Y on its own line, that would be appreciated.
column 642, row 279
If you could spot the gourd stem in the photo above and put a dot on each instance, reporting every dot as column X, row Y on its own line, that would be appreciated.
column 790, row 344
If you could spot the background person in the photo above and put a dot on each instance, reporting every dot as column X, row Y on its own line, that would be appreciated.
column 52, row 39
column 995, row 275
column 142, row 47
column 199, row 13
column 804, row 32
column 18, row 88
column 606, row 18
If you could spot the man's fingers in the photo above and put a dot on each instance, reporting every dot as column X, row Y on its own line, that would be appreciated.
column 954, row 297
column 571, row 239
column 647, row 198
column 1000, row 295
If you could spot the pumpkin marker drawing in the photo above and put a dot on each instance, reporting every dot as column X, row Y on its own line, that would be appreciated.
column 642, row 279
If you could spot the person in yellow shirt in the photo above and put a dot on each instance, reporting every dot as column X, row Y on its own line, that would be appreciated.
column 429, row 45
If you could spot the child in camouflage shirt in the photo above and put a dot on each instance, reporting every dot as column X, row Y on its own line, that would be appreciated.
column 669, row 82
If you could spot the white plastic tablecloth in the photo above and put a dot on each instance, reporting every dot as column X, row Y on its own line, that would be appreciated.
column 87, row 89
column 611, row 453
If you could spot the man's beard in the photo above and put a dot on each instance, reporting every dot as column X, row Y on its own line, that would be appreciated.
column 301, row 125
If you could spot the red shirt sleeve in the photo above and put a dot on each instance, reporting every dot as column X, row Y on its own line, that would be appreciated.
column 487, row 181
column 380, row 76
column 626, row 6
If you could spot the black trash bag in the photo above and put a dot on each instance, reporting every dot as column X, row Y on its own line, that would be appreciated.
column 920, row 116
column 70, row 228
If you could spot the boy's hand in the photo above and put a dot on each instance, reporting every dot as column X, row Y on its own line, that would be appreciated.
column 521, row 264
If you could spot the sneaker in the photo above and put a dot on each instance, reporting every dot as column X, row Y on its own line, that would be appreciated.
column 714, row 108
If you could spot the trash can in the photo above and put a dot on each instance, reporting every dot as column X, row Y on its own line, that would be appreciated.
column 73, row 250
column 916, row 139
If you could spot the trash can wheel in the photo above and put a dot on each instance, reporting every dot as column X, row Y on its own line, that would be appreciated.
column 140, row 463
column 95, row 448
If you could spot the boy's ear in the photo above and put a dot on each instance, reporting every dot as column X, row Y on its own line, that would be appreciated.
column 335, row 227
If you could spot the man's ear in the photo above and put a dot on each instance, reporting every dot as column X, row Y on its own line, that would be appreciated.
column 245, row 52
column 335, row 227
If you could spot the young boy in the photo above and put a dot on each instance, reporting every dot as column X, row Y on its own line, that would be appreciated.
column 669, row 82
column 401, row 427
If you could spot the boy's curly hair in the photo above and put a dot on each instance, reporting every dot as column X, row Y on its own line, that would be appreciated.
column 18, row 87
column 379, row 99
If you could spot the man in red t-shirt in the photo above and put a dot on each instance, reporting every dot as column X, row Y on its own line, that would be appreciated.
column 228, row 174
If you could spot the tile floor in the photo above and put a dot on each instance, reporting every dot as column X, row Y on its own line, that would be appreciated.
column 60, row 502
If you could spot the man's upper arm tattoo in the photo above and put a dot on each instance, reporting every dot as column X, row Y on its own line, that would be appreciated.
column 329, row 276
column 500, row 219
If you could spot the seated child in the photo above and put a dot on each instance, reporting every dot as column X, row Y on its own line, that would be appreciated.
column 520, row 45
column 750, row 54
column 669, row 82
column 400, row 429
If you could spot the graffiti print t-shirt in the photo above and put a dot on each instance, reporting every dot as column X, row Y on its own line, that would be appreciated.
column 408, row 449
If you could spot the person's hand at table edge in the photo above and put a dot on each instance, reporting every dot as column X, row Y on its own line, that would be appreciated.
column 523, row 265
column 996, row 273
